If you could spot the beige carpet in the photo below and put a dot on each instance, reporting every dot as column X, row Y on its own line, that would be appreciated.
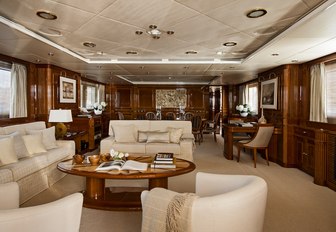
column 294, row 203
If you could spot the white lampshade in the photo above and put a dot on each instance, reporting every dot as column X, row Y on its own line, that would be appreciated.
column 60, row 116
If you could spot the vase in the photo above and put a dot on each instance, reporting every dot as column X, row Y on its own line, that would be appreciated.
column 98, row 112
column 243, row 114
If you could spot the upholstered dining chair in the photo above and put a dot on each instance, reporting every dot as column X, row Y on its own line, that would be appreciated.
column 61, row 215
column 121, row 116
column 211, row 126
column 197, row 128
column 170, row 116
column 150, row 116
column 259, row 141
column 224, row 203
column 188, row 116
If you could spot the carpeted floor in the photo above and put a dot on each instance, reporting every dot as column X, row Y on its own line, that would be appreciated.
column 294, row 202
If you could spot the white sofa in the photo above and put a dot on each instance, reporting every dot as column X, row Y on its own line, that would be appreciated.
column 34, row 173
column 150, row 137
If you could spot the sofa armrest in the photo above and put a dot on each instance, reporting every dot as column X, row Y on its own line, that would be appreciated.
column 106, row 143
column 68, row 144
column 188, row 136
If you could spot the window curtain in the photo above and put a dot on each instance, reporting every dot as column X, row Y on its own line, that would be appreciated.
column 18, row 98
column 317, row 94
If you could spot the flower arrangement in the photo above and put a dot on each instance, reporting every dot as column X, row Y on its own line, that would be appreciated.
column 100, row 107
column 245, row 108
column 116, row 155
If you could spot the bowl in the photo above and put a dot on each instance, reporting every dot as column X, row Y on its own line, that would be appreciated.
column 78, row 158
column 94, row 159
column 105, row 157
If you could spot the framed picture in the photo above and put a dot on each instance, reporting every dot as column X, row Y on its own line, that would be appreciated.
column 269, row 92
column 67, row 90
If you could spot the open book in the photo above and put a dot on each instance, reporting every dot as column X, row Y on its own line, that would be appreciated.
column 122, row 165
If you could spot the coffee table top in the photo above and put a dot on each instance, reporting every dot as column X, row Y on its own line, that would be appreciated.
column 88, row 170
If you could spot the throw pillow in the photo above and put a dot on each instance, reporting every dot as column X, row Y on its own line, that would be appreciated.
column 142, row 136
column 7, row 155
column 175, row 134
column 34, row 143
column 125, row 134
column 19, row 146
column 157, row 137
column 48, row 137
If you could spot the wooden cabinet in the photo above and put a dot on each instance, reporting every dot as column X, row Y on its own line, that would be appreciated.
column 331, row 161
column 305, row 149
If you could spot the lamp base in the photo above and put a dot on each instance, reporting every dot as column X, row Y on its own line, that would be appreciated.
column 60, row 130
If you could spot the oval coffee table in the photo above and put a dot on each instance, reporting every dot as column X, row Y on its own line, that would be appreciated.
column 98, row 197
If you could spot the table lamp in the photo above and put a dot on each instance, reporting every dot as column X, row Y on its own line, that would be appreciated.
column 60, row 116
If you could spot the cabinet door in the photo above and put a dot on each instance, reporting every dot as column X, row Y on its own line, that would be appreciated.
column 299, row 151
column 309, row 157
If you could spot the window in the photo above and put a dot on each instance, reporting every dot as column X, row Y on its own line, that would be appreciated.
column 330, row 81
column 248, row 94
column 91, row 93
column 5, row 89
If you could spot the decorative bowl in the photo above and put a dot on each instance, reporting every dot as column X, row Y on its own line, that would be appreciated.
column 94, row 159
column 78, row 158
column 105, row 157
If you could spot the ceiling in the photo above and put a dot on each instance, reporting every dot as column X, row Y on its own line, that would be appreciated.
column 292, row 31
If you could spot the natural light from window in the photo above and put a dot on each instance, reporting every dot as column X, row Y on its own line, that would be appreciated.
column 5, row 82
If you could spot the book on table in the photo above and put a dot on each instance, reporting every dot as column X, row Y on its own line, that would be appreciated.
column 164, row 156
column 122, row 165
column 160, row 165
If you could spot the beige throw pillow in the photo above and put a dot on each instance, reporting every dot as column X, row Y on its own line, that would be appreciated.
column 19, row 146
column 7, row 154
column 175, row 134
column 48, row 137
column 142, row 136
column 125, row 134
column 34, row 143
column 157, row 137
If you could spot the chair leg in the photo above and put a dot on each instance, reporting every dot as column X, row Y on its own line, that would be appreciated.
column 266, row 154
column 255, row 157
column 238, row 157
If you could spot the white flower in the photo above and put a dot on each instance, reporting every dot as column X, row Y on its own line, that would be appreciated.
column 243, row 108
column 100, row 107
column 103, row 104
column 126, row 155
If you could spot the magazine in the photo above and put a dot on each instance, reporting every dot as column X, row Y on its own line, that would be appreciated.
column 122, row 165
column 164, row 156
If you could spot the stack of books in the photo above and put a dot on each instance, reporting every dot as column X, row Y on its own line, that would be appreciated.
column 164, row 160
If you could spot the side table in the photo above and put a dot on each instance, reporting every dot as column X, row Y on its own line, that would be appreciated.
column 81, row 139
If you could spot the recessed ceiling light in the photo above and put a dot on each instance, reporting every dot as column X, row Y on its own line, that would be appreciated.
column 138, row 32
column 132, row 53
column 38, row 61
column 169, row 78
column 50, row 54
column 229, row 44
column 256, row 13
column 295, row 61
column 275, row 54
column 170, row 32
column 50, row 32
column 220, row 53
column 191, row 52
column 89, row 44
column 46, row 15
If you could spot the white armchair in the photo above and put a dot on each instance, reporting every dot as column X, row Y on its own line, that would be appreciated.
column 227, row 203
column 61, row 215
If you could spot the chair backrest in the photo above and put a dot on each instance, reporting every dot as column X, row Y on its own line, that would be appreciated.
column 235, row 203
column 196, row 122
column 262, row 137
column 188, row 116
column 150, row 116
column 170, row 116
column 121, row 116
column 60, row 215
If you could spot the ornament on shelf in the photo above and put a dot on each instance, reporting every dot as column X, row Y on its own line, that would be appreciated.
column 262, row 119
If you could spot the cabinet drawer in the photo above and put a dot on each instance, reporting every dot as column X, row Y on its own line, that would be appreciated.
column 304, row 132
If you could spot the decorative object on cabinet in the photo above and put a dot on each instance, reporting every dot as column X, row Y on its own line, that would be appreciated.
column 269, row 92
column 60, row 116
column 262, row 119
column 67, row 90
column 99, row 108
column 243, row 109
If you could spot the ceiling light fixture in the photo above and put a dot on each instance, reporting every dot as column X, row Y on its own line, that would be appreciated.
column 154, row 32
column 138, row 32
column 89, row 44
column 191, row 52
column 132, row 53
column 256, row 13
column 229, row 44
column 50, row 54
column 50, row 32
column 275, row 54
column 46, row 15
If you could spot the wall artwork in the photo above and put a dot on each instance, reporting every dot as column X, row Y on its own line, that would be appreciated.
column 67, row 90
column 171, row 98
column 269, row 91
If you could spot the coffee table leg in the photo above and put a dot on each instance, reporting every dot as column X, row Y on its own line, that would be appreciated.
column 158, row 182
column 95, row 187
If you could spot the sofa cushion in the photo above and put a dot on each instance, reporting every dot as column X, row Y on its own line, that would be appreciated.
column 157, row 137
column 19, row 146
column 7, row 154
column 34, row 143
column 48, row 137
column 5, row 176
column 125, row 133
column 57, row 154
column 154, row 148
column 175, row 134
column 22, row 128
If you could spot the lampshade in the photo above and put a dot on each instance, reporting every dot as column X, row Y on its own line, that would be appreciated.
column 60, row 116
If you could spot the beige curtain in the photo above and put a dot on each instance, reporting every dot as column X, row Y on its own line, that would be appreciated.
column 18, row 98
column 243, row 94
column 317, row 94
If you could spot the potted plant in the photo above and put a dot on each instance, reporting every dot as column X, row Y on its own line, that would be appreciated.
column 244, row 109
column 99, row 108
